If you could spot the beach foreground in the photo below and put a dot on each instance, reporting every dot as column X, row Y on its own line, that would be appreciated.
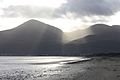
column 98, row 68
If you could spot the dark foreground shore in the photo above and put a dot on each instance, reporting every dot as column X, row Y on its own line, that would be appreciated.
column 99, row 68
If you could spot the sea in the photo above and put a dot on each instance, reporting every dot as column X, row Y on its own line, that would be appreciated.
column 37, row 67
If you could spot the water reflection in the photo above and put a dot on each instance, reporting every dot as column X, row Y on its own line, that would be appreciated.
column 40, row 68
column 39, row 60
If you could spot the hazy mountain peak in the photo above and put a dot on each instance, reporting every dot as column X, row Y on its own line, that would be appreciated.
column 103, row 29
column 100, row 26
column 34, row 21
column 36, row 25
column 116, row 26
column 31, row 38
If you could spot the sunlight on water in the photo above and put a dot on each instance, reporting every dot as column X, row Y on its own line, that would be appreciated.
column 39, row 68
column 51, row 66
column 39, row 60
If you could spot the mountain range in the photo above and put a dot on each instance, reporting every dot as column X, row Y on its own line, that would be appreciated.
column 101, row 39
column 36, row 38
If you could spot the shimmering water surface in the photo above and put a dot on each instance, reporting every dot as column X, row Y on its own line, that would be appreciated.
column 38, row 68
column 40, row 60
column 59, row 68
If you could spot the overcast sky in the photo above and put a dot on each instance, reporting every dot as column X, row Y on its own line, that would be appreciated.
column 68, row 15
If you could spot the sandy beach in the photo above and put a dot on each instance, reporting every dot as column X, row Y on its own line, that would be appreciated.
column 98, row 68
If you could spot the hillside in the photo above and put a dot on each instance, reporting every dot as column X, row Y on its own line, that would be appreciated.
column 104, row 39
column 31, row 38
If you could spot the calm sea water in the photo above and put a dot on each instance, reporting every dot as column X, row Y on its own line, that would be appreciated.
column 38, row 60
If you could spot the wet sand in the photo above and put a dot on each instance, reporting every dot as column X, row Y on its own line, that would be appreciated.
column 99, row 68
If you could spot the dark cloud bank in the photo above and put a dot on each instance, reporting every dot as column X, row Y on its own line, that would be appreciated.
column 80, row 8
column 91, row 7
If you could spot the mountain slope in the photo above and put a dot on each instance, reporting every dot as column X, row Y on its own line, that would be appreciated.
column 104, row 39
column 31, row 38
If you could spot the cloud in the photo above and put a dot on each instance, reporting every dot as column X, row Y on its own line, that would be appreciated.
column 27, row 12
column 71, row 9
column 90, row 7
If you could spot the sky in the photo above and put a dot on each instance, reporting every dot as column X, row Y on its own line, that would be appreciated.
column 68, row 15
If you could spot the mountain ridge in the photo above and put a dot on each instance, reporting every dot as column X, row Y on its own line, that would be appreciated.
column 103, row 39
column 37, row 38
column 31, row 38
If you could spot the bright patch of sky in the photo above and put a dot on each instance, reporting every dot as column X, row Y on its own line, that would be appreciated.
column 68, row 15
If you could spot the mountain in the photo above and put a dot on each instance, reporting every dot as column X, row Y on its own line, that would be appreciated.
column 31, row 38
column 36, row 38
column 80, row 33
column 70, row 36
column 103, row 39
